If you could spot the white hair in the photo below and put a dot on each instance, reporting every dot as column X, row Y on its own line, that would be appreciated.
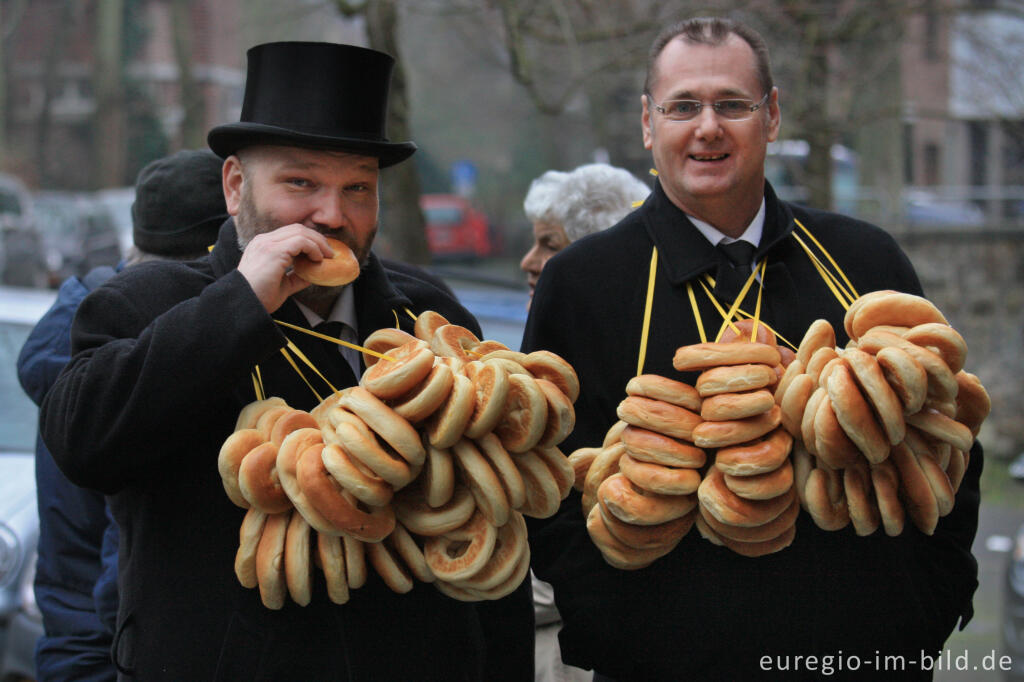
column 587, row 199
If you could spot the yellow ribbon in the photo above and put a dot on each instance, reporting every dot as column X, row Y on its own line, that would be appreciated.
column 648, row 305
column 325, row 337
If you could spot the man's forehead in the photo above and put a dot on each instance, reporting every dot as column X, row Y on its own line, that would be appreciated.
column 726, row 68
column 301, row 157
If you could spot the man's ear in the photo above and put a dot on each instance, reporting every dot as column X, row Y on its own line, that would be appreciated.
column 774, row 115
column 645, row 121
column 232, row 179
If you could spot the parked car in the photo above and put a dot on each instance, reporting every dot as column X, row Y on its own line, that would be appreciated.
column 80, row 231
column 455, row 229
column 21, row 251
column 20, row 622
column 1013, row 594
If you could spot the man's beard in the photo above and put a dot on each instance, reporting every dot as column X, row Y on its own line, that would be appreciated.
column 251, row 222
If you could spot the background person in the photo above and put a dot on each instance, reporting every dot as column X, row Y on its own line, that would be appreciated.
column 704, row 612
column 564, row 206
column 162, row 364
column 178, row 208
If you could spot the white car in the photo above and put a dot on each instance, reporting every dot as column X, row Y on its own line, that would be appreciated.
column 20, row 622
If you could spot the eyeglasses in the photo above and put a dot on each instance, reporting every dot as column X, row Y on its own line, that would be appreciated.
column 729, row 109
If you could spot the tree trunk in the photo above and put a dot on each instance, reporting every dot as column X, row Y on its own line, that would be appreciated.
column 109, row 83
column 405, row 229
column 193, row 135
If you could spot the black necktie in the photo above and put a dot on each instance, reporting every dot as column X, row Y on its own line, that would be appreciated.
column 734, row 268
column 345, row 376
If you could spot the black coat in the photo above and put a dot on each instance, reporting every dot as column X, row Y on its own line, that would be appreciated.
column 704, row 612
column 161, row 367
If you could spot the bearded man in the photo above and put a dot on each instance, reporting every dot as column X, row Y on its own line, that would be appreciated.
column 166, row 355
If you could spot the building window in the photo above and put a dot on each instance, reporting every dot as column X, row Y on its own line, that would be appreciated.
column 931, row 164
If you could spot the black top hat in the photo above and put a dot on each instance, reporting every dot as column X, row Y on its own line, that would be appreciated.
column 317, row 95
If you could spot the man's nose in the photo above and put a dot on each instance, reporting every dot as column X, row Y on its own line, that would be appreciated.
column 329, row 210
column 708, row 124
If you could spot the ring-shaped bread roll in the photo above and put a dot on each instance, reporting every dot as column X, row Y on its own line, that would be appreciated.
column 794, row 402
column 524, row 418
column 855, row 415
column 763, row 533
column 762, row 486
column 942, row 340
column 632, row 504
column 938, row 480
column 729, row 406
column 956, row 468
column 735, row 431
column 561, row 416
column 941, row 380
column 895, row 309
column 807, row 436
column 291, row 451
column 453, row 341
column 756, row 549
column 270, row 561
column 339, row 415
column 650, row 446
column 501, row 462
column 488, row 346
column 386, row 423
column 831, row 443
column 508, row 550
column 658, row 416
column 657, row 387
column 427, row 323
column 614, row 433
column 543, row 496
column 438, row 476
column 354, row 476
column 522, row 568
column 428, row 396
column 477, row 473
column 580, row 461
column 334, row 271
column 703, row 356
column 389, row 567
column 735, row 378
column 605, row 464
column 819, row 334
column 448, row 423
column 510, row 366
column 731, row 509
column 411, row 554
column 491, row 386
column 355, row 561
column 408, row 365
column 298, row 567
column 942, row 427
column 375, row 456
column 382, row 341
column 795, row 369
column 249, row 534
column 251, row 413
column 419, row 517
column 229, row 461
column 905, row 376
column 617, row 553
column 460, row 553
column 880, row 395
column 826, row 499
column 544, row 364
column 658, row 478
column 332, row 562
column 919, row 500
column 818, row 360
column 265, row 424
column 658, row 536
column 860, row 502
column 259, row 482
column 756, row 457
column 558, row 464
column 748, row 330
column 291, row 421
column 338, row 506
column 972, row 401
column 857, row 303
column 885, row 480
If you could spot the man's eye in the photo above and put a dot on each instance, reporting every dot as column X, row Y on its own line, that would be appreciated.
column 732, row 106
column 299, row 182
column 684, row 106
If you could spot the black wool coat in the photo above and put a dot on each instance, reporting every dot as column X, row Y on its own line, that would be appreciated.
column 703, row 612
column 162, row 361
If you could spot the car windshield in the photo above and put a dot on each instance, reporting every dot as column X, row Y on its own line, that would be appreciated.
column 18, row 414
column 443, row 215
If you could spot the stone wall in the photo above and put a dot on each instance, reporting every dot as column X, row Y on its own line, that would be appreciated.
column 976, row 278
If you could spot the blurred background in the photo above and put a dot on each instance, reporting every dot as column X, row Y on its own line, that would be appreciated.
column 907, row 113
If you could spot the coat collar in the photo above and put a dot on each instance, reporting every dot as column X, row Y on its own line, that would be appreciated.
column 683, row 252
column 372, row 288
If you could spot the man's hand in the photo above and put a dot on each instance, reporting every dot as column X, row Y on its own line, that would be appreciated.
column 267, row 261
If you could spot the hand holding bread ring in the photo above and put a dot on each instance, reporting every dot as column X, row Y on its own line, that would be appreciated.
column 268, row 259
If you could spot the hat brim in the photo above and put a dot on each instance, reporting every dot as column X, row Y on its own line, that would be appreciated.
column 227, row 139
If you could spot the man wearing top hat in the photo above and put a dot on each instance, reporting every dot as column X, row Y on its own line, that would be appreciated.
column 163, row 360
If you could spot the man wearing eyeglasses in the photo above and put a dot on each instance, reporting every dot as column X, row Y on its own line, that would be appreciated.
column 619, row 303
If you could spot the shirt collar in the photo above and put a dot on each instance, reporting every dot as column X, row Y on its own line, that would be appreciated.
column 344, row 310
column 752, row 234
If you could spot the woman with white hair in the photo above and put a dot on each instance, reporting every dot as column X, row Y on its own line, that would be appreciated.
column 564, row 206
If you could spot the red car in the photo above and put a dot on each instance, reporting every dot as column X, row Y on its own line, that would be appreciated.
column 454, row 227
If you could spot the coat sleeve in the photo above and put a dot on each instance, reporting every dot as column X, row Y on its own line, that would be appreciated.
column 148, row 369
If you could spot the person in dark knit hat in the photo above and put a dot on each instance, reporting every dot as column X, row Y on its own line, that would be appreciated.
column 166, row 356
column 179, row 206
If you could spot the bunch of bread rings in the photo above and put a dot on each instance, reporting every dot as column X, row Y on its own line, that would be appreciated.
column 884, row 426
column 643, row 488
column 424, row 471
